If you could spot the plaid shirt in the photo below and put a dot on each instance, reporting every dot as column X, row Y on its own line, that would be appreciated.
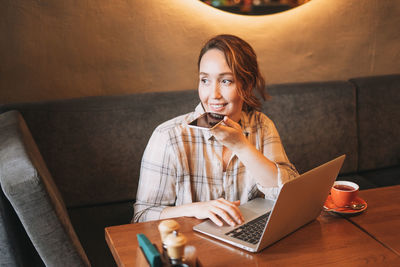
column 183, row 165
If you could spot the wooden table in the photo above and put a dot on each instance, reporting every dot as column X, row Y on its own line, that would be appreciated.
column 382, row 217
column 329, row 240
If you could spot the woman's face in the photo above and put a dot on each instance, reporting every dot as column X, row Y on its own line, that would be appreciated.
column 217, row 88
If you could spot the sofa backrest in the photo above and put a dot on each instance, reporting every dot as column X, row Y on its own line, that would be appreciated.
column 93, row 146
column 316, row 122
column 378, row 109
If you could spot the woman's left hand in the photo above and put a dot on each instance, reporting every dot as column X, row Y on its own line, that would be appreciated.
column 230, row 134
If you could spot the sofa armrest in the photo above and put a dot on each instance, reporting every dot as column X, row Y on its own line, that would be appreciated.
column 29, row 187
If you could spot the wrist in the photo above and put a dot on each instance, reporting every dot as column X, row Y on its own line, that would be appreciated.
column 241, row 147
column 187, row 210
column 178, row 211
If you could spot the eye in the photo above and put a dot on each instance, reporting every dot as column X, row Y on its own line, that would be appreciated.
column 226, row 82
column 204, row 81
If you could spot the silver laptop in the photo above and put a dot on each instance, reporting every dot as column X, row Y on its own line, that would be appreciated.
column 299, row 202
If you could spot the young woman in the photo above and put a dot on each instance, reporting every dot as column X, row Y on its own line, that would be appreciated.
column 207, row 174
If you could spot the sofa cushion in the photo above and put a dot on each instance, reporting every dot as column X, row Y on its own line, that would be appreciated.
column 316, row 122
column 378, row 121
column 93, row 146
column 29, row 188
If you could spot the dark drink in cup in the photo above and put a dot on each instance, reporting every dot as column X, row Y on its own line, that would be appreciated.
column 343, row 193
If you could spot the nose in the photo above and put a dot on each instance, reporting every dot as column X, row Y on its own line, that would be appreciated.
column 215, row 91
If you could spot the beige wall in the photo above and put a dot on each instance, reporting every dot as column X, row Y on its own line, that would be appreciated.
column 63, row 49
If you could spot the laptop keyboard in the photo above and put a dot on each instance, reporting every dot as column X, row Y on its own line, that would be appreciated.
column 250, row 232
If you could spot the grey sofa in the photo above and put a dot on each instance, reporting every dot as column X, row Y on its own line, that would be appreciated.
column 70, row 168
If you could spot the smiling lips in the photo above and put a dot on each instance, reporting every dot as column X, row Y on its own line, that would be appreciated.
column 217, row 107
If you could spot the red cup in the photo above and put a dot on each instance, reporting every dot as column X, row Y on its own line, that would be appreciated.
column 343, row 193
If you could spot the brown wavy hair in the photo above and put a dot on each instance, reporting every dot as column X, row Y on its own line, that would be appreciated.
column 242, row 61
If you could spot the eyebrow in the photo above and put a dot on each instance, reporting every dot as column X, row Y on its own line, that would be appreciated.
column 221, row 74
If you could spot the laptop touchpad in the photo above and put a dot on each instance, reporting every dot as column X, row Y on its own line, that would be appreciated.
column 256, row 207
column 248, row 213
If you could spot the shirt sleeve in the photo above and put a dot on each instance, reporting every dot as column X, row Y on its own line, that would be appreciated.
column 274, row 151
column 156, row 188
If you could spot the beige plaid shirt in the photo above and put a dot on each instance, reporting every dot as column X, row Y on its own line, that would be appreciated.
column 183, row 165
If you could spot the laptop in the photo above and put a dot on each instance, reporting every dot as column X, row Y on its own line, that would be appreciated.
column 299, row 202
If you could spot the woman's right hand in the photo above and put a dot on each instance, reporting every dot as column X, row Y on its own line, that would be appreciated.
column 217, row 211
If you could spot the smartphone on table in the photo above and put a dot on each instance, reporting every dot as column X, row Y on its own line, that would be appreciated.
column 207, row 121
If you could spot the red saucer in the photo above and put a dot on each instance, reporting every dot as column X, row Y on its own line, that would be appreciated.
column 330, row 206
